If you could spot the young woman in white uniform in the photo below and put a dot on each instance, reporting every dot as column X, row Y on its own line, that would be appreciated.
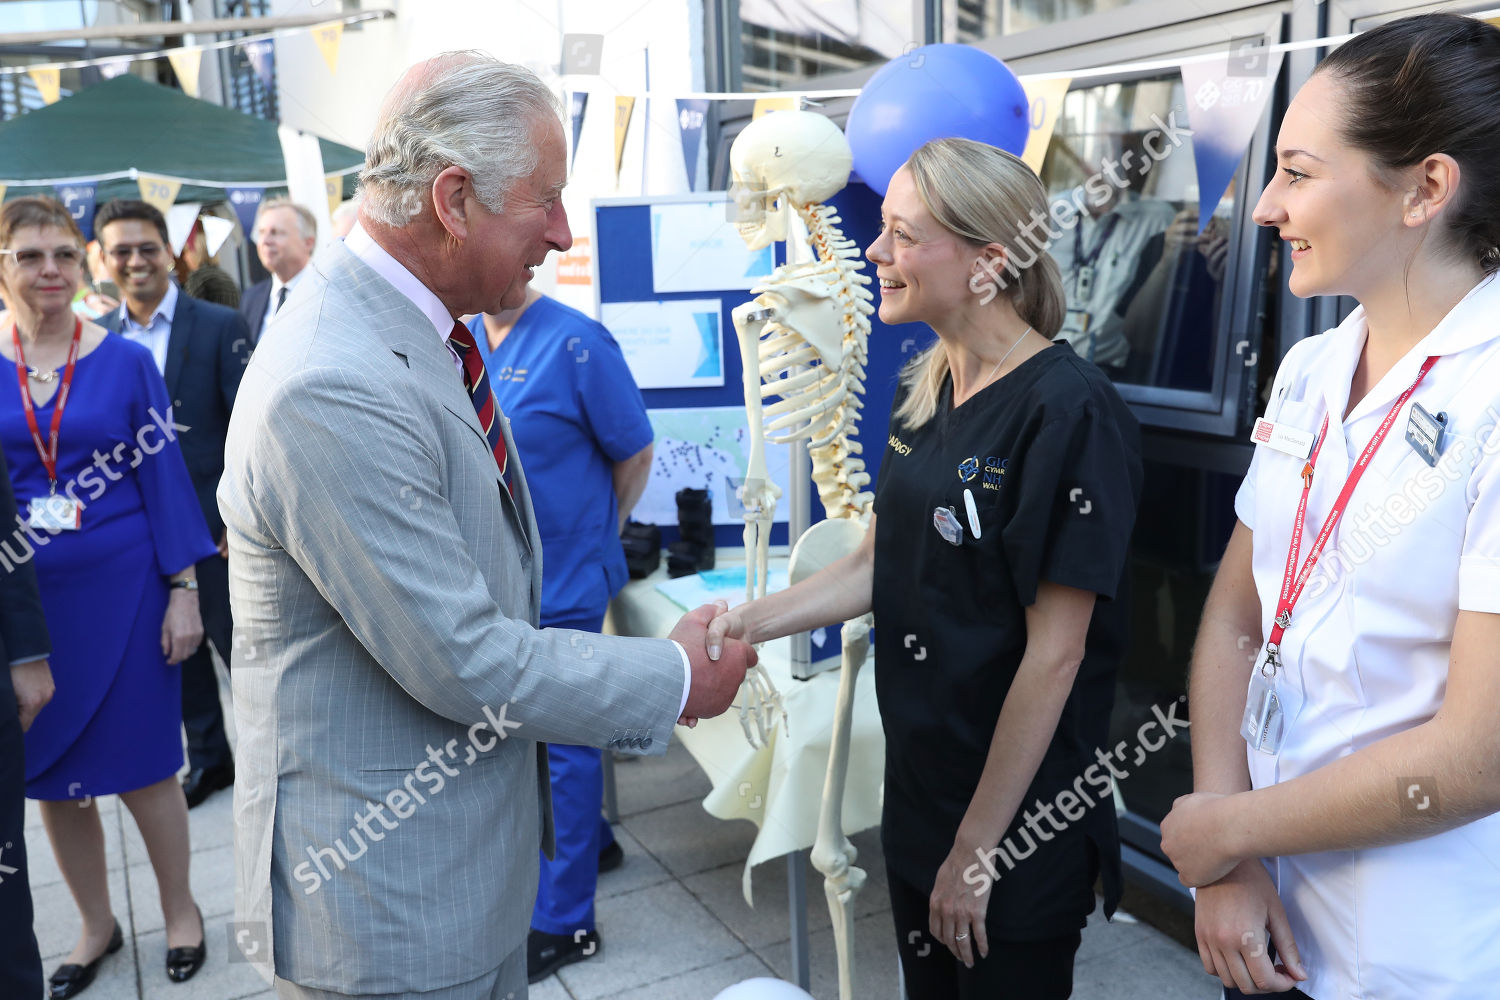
column 1365, row 862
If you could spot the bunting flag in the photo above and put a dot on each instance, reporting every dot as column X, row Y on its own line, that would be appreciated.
column 765, row 105
column 577, row 101
column 79, row 201
column 2, row 192
column 159, row 191
column 1045, row 99
column 328, row 37
column 333, row 186
column 215, row 232
column 1225, row 99
column 246, row 202
column 623, row 108
column 181, row 221
column 186, row 63
column 262, row 56
column 691, row 116
column 48, row 80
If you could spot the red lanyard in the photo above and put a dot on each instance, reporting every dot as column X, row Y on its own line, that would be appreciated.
column 48, row 452
column 1292, row 589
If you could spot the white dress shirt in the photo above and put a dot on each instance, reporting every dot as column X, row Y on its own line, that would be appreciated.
column 276, row 286
column 157, row 331
column 363, row 246
column 1368, row 650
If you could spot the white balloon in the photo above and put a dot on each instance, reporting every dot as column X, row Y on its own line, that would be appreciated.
column 764, row 989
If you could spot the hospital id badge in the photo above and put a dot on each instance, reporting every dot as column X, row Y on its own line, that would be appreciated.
column 55, row 513
column 1075, row 322
column 1263, row 725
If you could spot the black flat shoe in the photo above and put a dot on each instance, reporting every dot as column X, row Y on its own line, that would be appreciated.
column 71, row 980
column 202, row 782
column 183, row 963
column 611, row 857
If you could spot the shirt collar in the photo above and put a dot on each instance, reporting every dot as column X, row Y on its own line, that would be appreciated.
column 166, row 309
column 363, row 246
column 277, row 284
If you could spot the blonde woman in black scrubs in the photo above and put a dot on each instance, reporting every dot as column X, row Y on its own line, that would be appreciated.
column 1009, row 491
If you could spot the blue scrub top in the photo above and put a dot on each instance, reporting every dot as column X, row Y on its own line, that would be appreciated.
column 574, row 411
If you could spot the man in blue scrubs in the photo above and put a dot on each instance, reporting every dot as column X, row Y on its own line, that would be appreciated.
column 582, row 434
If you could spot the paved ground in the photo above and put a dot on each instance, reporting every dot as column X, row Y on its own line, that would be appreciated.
column 674, row 924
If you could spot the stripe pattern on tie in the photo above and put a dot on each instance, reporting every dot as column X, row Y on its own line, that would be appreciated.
column 480, row 391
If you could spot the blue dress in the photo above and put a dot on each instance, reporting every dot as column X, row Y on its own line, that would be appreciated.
column 114, row 724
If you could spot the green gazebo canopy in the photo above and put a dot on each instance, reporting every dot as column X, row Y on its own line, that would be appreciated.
column 126, row 122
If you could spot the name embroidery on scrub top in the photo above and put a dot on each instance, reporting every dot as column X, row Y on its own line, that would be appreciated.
column 1263, row 725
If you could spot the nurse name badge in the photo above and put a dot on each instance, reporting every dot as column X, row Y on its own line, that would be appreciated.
column 1282, row 437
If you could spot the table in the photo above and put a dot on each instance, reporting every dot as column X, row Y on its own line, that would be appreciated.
column 778, row 787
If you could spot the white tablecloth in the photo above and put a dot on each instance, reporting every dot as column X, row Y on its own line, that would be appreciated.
column 780, row 786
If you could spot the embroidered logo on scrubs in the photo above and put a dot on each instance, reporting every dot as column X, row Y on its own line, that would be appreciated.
column 509, row 374
column 968, row 469
column 900, row 448
column 994, row 472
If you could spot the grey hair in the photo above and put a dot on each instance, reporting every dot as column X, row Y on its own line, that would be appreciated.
column 469, row 110
column 307, row 223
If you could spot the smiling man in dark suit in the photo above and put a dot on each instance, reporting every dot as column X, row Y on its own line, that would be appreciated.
column 201, row 350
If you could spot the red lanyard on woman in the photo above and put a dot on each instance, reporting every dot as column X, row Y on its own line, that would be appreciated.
column 47, row 451
column 1291, row 589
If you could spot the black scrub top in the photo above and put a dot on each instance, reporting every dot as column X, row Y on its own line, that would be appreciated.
column 1051, row 456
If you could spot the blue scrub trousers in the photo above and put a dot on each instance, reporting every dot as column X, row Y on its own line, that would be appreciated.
column 565, row 894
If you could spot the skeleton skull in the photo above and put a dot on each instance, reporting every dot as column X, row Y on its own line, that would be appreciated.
column 791, row 157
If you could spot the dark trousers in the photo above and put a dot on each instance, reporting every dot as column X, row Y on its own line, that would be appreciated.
column 1230, row 993
column 20, row 962
column 1014, row 970
column 202, row 714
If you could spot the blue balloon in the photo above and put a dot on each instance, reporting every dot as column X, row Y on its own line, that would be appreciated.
column 934, row 92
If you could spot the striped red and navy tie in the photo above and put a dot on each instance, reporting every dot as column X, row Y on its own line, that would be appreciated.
column 480, row 392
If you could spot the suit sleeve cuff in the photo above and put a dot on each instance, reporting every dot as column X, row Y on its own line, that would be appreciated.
column 687, row 677
column 33, row 658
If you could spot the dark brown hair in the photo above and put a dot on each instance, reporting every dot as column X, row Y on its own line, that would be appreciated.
column 1423, row 85
column 35, row 210
column 140, row 211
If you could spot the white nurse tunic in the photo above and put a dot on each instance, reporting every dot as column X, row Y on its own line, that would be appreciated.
column 1367, row 653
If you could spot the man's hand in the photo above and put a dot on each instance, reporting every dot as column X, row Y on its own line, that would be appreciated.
column 1233, row 917
column 715, row 681
column 1191, row 838
column 224, row 544
column 33, row 683
column 182, row 628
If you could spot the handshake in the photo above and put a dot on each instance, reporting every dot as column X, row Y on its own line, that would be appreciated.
column 714, row 639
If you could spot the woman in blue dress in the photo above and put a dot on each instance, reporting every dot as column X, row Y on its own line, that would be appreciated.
column 109, row 516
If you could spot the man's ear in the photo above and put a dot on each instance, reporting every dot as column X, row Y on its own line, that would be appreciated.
column 450, row 196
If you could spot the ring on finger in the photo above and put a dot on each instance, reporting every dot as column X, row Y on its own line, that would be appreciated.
column 961, row 937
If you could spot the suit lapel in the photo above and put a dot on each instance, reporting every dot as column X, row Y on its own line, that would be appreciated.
column 177, row 342
column 522, row 498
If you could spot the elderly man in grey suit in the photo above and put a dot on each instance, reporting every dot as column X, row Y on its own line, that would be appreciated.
column 390, row 685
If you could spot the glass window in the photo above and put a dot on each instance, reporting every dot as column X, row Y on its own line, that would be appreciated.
column 787, row 42
column 976, row 20
column 1144, row 288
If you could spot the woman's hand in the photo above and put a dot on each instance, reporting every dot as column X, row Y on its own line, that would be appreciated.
column 33, row 683
column 1233, row 918
column 1192, row 837
column 182, row 628
column 956, row 908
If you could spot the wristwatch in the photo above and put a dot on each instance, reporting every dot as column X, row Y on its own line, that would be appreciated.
column 184, row 584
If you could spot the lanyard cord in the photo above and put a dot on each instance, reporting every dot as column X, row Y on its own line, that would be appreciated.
column 48, row 451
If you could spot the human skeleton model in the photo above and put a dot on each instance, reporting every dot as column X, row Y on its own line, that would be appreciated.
column 803, row 338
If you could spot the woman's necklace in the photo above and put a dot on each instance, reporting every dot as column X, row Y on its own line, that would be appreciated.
column 37, row 374
column 1002, row 359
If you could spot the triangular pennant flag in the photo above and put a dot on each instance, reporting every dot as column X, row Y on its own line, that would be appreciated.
column 623, row 108
column 79, row 200
column 333, row 186
column 1225, row 99
column 262, row 56
column 577, row 102
column 113, row 68
column 159, row 191
column 48, row 80
column 2, row 192
column 692, row 113
column 765, row 105
column 180, row 221
column 215, row 232
column 328, row 37
column 246, row 202
column 186, row 63
column 1045, row 100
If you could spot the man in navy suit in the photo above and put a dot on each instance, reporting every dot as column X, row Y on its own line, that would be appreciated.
column 25, row 687
column 285, row 235
column 201, row 350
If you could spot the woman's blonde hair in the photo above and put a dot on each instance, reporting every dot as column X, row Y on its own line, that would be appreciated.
column 984, row 195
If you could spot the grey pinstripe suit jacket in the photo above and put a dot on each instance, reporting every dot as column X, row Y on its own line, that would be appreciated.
column 386, row 590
